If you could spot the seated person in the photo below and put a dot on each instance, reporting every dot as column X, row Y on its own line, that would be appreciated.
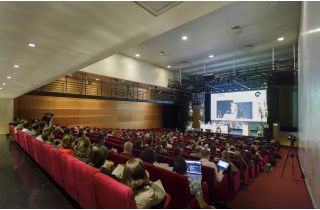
column 97, row 158
column 138, row 144
column 180, row 167
column 67, row 131
column 48, row 137
column 197, row 152
column 205, row 156
column 66, row 147
column 127, row 149
column 149, row 156
column 26, row 127
column 146, row 193
column 225, row 156
column 35, row 129
column 82, row 150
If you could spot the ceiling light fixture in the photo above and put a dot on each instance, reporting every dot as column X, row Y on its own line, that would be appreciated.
column 280, row 39
column 8, row 77
column 169, row 67
column 97, row 79
column 137, row 55
column 4, row 84
column 184, row 38
column 16, row 66
column 31, row 44
column 0, row 88
column 211, row 56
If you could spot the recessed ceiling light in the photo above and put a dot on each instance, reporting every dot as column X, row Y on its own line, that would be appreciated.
column 8, row 77
column 137, row 55
column 184, row 37
column 280, row 39
column 0, row 88
column 4, row 84
column 211, row 56
column 169, row 67
column 31, row 44
column 161, row 53
column 16, row 66
column 97, row 79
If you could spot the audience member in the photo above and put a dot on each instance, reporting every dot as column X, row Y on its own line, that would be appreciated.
column 127, row 149
column 180, row 167
column 66, row 146
column 205, row 156
column 146, row 193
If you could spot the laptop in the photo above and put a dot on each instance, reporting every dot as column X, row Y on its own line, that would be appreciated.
column 194, row 169
column 223, row 165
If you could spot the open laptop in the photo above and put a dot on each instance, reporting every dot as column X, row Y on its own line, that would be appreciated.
column 194, row 169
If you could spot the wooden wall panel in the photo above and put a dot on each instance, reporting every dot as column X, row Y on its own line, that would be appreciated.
column 91, row 112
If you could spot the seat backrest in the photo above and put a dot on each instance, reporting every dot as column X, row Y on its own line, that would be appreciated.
column 31, row 145
column 106, row 189
column 48, row 158
column 57, row 167
column 67, row 163
column 84, row 175
column 176, row 185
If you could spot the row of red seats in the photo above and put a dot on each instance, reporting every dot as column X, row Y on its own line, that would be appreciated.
column 176, row 185
column 217, row 191
column 85, row 184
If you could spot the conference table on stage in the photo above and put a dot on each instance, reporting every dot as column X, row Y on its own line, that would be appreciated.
column 213, row 128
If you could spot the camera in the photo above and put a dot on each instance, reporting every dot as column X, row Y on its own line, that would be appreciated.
column 292, row 139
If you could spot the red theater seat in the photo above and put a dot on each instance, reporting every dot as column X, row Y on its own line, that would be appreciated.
column 68, row 173
column 57, row 167
column 84, row 180
column 112, row 194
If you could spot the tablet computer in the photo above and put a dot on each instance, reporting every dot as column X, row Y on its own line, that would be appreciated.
column 223, row 165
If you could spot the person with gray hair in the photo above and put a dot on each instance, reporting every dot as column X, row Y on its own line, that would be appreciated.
column 127, row 149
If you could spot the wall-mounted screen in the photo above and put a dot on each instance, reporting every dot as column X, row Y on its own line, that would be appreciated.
column 240, row 106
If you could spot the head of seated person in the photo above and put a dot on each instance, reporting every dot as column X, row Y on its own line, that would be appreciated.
column 205, row 154
column 82, row 148
column 97, row 156
column 148, row 156
column 66, row 142
column 48, row 135
column 177, row 152
column 100, row 139
column 26, row 125
column 180, row 166
column 67, row 130
column 138, row 143
column 146, row 193
column 127, row 148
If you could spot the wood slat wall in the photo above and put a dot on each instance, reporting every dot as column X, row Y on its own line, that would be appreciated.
column 91, row 112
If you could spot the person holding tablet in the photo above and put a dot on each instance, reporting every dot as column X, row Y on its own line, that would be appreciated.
column 205, row 155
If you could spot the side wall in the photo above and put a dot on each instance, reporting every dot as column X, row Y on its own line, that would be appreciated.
column 309, row 97
column 123, row 67
column 91, row 112
column 6, row 114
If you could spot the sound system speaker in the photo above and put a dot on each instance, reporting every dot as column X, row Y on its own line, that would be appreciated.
column 284, row 77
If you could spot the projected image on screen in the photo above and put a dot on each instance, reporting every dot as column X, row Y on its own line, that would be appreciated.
column 240, row 106
column 230, row 110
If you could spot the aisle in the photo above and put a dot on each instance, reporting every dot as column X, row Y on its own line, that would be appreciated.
column 270, row 191
column 23, row 184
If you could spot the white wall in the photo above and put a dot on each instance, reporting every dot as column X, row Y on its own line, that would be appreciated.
column 309, row 97
column 6, row 114
column 123, row 67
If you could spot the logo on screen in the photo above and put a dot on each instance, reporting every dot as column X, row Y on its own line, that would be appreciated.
column 257, row 94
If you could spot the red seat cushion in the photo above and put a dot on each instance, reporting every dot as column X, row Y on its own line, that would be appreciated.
column 107, row 189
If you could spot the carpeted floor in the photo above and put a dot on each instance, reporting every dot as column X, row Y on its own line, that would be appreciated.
column 270, row 191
